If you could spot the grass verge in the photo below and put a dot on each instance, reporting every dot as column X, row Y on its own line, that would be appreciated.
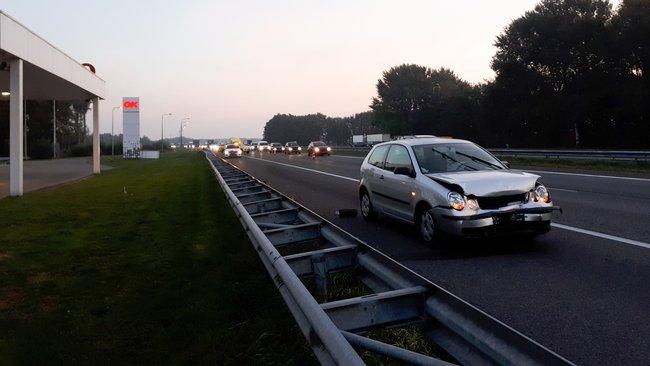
column 603, row 166
column 144, row 264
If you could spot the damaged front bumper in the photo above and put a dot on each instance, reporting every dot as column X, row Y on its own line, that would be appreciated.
column 508, row 220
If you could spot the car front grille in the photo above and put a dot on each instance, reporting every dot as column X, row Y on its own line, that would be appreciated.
column 489, row 203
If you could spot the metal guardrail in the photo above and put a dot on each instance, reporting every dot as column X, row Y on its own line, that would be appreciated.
column 619, row 155
column 576, row 154
column 401, row 297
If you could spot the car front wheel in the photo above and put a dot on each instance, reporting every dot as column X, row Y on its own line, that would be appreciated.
column 427, row 227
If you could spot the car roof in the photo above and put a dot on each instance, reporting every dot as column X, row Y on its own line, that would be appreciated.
column 425, row 141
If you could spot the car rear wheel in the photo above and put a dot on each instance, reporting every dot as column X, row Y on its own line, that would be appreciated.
column 367, row 211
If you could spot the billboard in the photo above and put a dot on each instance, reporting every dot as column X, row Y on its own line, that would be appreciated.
column 131, row 127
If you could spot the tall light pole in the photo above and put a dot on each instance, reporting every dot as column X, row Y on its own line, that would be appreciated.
column 183, row 124
column 162, row 133
column 113, row 130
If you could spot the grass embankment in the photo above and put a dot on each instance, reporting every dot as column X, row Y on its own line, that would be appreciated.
column 144, row 264
column 598, row 165
column 603, row 166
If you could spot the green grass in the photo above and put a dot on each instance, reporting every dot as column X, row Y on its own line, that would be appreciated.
column 607, row 166
column 143, row 264
column 623, row 167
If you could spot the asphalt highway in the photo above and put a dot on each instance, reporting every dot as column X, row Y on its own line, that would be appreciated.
column 583, row 290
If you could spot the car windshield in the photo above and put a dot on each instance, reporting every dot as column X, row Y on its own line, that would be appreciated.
column 292, row 144
column 264, row 143
column 231, row 147
column 318, row 143
column 276, row 144
column 454, row 157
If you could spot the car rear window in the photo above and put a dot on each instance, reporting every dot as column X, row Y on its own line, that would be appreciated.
column 378, row 155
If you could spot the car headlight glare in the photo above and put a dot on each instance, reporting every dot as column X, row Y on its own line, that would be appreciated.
column 456, row 201
column 299, row 148
column 329, row 148
column 316, row 149
column 291, row 149
column 541, row 194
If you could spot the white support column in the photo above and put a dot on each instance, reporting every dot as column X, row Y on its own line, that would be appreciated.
column 16, row 127
column 96, row 165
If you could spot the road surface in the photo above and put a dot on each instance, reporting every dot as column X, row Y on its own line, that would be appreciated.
column 583, row 290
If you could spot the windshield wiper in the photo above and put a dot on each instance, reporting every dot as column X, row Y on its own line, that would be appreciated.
column 480, row 160
column 452, row 159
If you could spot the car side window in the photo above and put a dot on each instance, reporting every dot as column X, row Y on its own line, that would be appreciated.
column 377, row 156
column 398, row 156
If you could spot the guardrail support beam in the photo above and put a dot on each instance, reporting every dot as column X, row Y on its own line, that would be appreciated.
column 385, row 308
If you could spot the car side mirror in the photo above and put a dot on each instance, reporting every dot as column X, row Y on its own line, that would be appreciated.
column 403, row 170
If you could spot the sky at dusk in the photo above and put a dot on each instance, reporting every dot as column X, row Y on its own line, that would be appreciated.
column 232, row 65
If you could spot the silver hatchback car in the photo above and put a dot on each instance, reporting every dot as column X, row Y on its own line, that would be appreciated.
column 454, row 187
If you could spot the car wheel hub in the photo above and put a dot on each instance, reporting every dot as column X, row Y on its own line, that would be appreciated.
column 365, row 205
column 427, row 226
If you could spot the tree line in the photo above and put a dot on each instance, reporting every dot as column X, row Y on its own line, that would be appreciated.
column 313, row 127
column 569, row 73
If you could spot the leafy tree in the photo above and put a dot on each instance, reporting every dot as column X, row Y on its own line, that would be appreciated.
column 550, row 68
column 405, row 94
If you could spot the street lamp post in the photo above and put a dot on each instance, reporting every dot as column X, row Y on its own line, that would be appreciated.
column 183, row 124
column 113, row 130
column 162, row 131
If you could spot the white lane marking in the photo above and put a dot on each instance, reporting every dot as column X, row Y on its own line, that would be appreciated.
column 559, row 226
column 586, row 175
column 307, row 169
column 602, row 235
column 563, row 190
column 349, row 156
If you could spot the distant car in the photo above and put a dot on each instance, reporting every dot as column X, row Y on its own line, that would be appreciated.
column 263, row 146
column 246, row 148
column 318, row 148
column 232, row 151
column 454, row 187
column 291, row 148
column 276, row 148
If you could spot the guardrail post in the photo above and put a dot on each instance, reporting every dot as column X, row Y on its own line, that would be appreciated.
column 319, row 267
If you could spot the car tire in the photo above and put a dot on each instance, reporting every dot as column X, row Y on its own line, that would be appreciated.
column 428, row 229
column 367, row 211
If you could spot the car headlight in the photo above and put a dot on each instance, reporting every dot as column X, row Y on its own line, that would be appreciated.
column 316, row 149
column 291, row 149
column 541, row 194
column 456, row 201
column 238, row 152
column 472, row 204
column 299, row 148
column 329, row 148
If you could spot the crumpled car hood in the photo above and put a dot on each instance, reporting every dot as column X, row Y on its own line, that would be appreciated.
column 488, row 183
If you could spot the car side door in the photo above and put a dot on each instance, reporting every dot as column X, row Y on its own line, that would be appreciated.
column 373, row 172
column 398, row 188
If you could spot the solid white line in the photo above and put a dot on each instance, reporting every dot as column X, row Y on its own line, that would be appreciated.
column 601, row 235
column 349, row 157
column 563, row 190
column 559, row 226
column 307, row 169
column 586, row 175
